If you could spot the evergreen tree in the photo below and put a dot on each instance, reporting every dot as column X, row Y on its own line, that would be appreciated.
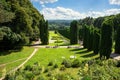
column 85, row 32
column 74, row 32
column 96, row 41
column 106, row 38
column 117, row 37
column 46, row 34
column 117, row 40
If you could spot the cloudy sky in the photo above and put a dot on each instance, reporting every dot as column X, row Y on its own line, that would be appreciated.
column 76, row 9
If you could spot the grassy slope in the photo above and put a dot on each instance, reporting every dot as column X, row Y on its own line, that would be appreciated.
column 44, row 56
column 24, row 53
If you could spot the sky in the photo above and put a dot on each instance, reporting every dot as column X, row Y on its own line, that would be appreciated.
column 76, row 9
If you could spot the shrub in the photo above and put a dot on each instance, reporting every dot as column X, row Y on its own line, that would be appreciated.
column 118, row 64
column 36, row 69
column 60, row 77
column 67, row 63
column 49, row 74
column 55, row 66
column 29, row 75
column 50, row 63
column 62, row 68
column 46, row 70
column 86, row 78
column 28, row 67
column 76, row 63
column 40, row 78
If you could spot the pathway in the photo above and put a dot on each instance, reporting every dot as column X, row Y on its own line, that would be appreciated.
column 36, row 49
column 12, row 62
column 115, row 56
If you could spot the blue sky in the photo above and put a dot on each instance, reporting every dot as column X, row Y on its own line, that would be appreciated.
column 76, row 9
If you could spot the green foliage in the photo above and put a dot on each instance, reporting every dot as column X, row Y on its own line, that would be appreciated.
column 60, row 77
column 106, row 71
column 117, row 37
column 98, row 22
column 88, row 37
column 65, row 32
column 40, row 78
column 9, row 39
column 44, row 34
column 106, row 38
column 62, row 68
column 96, row 41
column 22, row 19
column 55, row 66
column 74, row 32
column 76, row 63
column 50, row 63
column 67, row 63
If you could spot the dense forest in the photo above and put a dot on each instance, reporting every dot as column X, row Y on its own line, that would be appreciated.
column 20, row 23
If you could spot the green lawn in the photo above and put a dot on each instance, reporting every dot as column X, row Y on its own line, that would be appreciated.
column 57, row 39
column 12, row 57
column 45, row 55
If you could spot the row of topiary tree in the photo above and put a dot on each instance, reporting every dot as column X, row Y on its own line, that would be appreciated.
column 98, row 34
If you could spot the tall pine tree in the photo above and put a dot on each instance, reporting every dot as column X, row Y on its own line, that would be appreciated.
column 106, row 39
column 74, row 32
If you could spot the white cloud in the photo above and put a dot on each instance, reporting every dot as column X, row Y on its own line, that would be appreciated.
column 61, row 13
column 66, row 13
column 115, row 2
column 108, row 12
column 45, row 1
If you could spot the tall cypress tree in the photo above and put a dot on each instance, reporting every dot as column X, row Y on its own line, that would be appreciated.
column 74, row 32
column 106, row 39
column 117, row 37
column 41, row 27
column 46, row 34
column 117, row 40
column 96, row 40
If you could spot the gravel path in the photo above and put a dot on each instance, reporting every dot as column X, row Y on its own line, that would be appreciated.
column 36, row 49
column 1, row 65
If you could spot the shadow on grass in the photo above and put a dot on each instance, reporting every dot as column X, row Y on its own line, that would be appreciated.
column 6, row 52
column 89, row 55
column 84, row 53
column 78, row 49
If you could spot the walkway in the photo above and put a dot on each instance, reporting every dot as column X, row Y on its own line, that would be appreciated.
column 36, row 49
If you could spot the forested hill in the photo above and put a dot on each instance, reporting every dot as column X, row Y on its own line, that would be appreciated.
column 58, row 24
column 19, row 23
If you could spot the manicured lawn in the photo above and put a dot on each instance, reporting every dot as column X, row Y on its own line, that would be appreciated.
column 11, row 58
column 57, row 39
column 25, row 52
column 46, row 55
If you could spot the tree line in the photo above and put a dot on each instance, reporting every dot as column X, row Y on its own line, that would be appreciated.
column 98, row 34
column 20, row 24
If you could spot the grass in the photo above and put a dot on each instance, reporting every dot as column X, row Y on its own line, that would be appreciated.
column 26, row 51
column 12, row 57
column 46, row 55
column 57, row 39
